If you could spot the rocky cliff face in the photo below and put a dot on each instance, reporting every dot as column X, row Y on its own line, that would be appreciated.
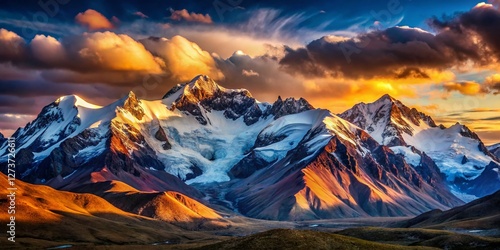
column 289, row 106
column 203, row 92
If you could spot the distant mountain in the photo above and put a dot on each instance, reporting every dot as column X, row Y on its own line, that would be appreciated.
column 457, row 151
column 280, row 161
column 495, row 149
column 483, row 213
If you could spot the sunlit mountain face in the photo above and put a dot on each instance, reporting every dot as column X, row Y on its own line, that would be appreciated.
column 193, row 122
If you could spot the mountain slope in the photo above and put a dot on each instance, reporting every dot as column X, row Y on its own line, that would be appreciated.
column 284, row 160
column 167, row 206
column 46, row 214
column 336, row 170
column 458, row 152
column 483, row 213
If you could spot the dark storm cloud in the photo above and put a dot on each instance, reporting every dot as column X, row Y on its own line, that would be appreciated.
column 18, row 105
column 38, row 88
column 396, row 52
column 482, row 21
column 402, row 52
column 412, row 73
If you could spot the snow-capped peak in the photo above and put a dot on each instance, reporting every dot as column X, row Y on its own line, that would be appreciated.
column 386, row 98
column 387, row 119
column 202, row 85
column 203, row 94
column 200, row 88
column 75, row 101
column 393, row 124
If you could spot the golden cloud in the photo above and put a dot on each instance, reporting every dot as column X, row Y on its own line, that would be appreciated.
column 183, row 58
column 465, row 88
column 492, row 84
column 111, row 51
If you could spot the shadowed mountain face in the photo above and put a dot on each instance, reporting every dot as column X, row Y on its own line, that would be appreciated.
column 280, row 161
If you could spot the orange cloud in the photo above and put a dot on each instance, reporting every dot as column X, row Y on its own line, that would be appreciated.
column 180, row 15
column 94, row 20
column 465, row 88
column 111, row 51
column 492, row 84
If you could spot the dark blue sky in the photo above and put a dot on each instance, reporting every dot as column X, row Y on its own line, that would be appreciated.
column 317, row 15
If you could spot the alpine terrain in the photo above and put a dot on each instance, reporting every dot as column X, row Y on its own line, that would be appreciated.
column 203, row 149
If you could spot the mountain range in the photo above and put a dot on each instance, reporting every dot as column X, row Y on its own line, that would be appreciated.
column 203, row 149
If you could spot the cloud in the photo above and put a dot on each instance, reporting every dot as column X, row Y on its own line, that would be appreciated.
column 89, row 52
column 492, row 84
column 398, row 52
column 12, row 46
column 184, row 15
column 461, row 42
column 477, row 29
column 110, row 51
column 249, row 73
column 318, row 90
column 495, row 2
column 94, row 20
column 183, row 58
column 140, row 14
column 465, row 88
column 105, row 57
column 48, row 50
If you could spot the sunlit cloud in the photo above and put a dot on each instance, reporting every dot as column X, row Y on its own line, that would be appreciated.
column 184, row 15
column 465, row 88
column 94, row 20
